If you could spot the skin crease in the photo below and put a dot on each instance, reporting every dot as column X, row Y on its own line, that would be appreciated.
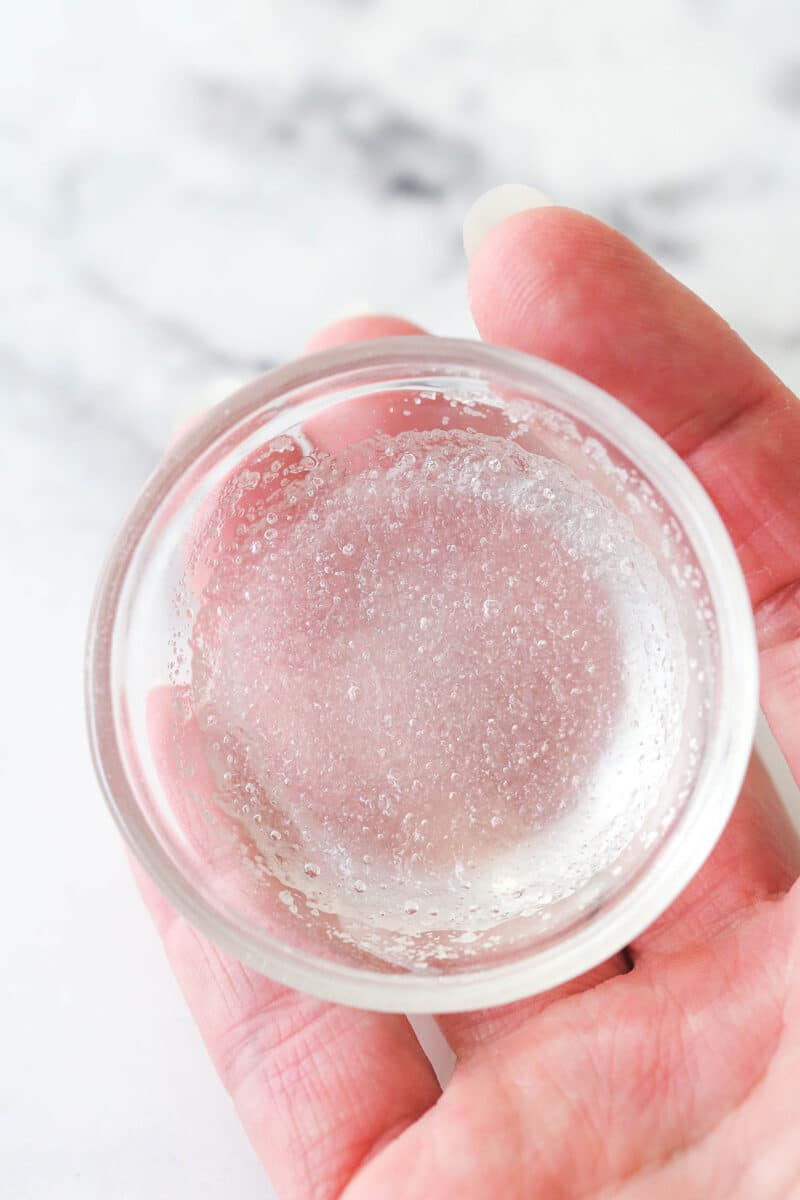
column 669, row 1071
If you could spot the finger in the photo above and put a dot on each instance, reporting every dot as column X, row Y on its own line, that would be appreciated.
column 334, row 429
column 474, row 1031
column 253, row 488
column 559, row 284
column 214, row 529
column 758, row 856
column 318, row 1087
column 360, row 329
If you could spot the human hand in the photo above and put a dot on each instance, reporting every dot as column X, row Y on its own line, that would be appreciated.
column 669, row 1069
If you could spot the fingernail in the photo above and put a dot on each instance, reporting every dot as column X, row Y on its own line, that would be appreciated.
column 192, row 407
column 356, row 308
column 496, row 206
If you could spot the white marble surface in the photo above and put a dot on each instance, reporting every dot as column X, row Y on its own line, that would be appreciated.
column 186, row 191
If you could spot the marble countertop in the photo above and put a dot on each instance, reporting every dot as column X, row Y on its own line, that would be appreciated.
column 187, row 191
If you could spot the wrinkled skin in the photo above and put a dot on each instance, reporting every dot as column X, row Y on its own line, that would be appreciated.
column 670, row 1070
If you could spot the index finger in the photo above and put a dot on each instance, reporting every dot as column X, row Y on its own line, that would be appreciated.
column 558, row 283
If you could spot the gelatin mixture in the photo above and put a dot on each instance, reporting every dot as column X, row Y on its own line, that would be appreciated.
column 438, row 678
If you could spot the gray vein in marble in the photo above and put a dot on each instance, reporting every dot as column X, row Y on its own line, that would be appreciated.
column 625, row 214
column 657, row 216
column 678, row 194
column 71, row 409
column 788, row 339
column 392, row 152
column 171, row 329
column 784, row 87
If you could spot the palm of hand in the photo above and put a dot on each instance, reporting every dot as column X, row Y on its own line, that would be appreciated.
column 673, row 1079
column 668, row 1069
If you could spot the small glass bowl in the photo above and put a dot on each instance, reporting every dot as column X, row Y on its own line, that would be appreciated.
column 139, row 667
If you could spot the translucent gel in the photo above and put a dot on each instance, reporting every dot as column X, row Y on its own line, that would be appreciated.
column 438, row 679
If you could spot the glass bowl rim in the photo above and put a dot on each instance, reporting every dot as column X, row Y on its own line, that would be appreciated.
column 609, row 929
